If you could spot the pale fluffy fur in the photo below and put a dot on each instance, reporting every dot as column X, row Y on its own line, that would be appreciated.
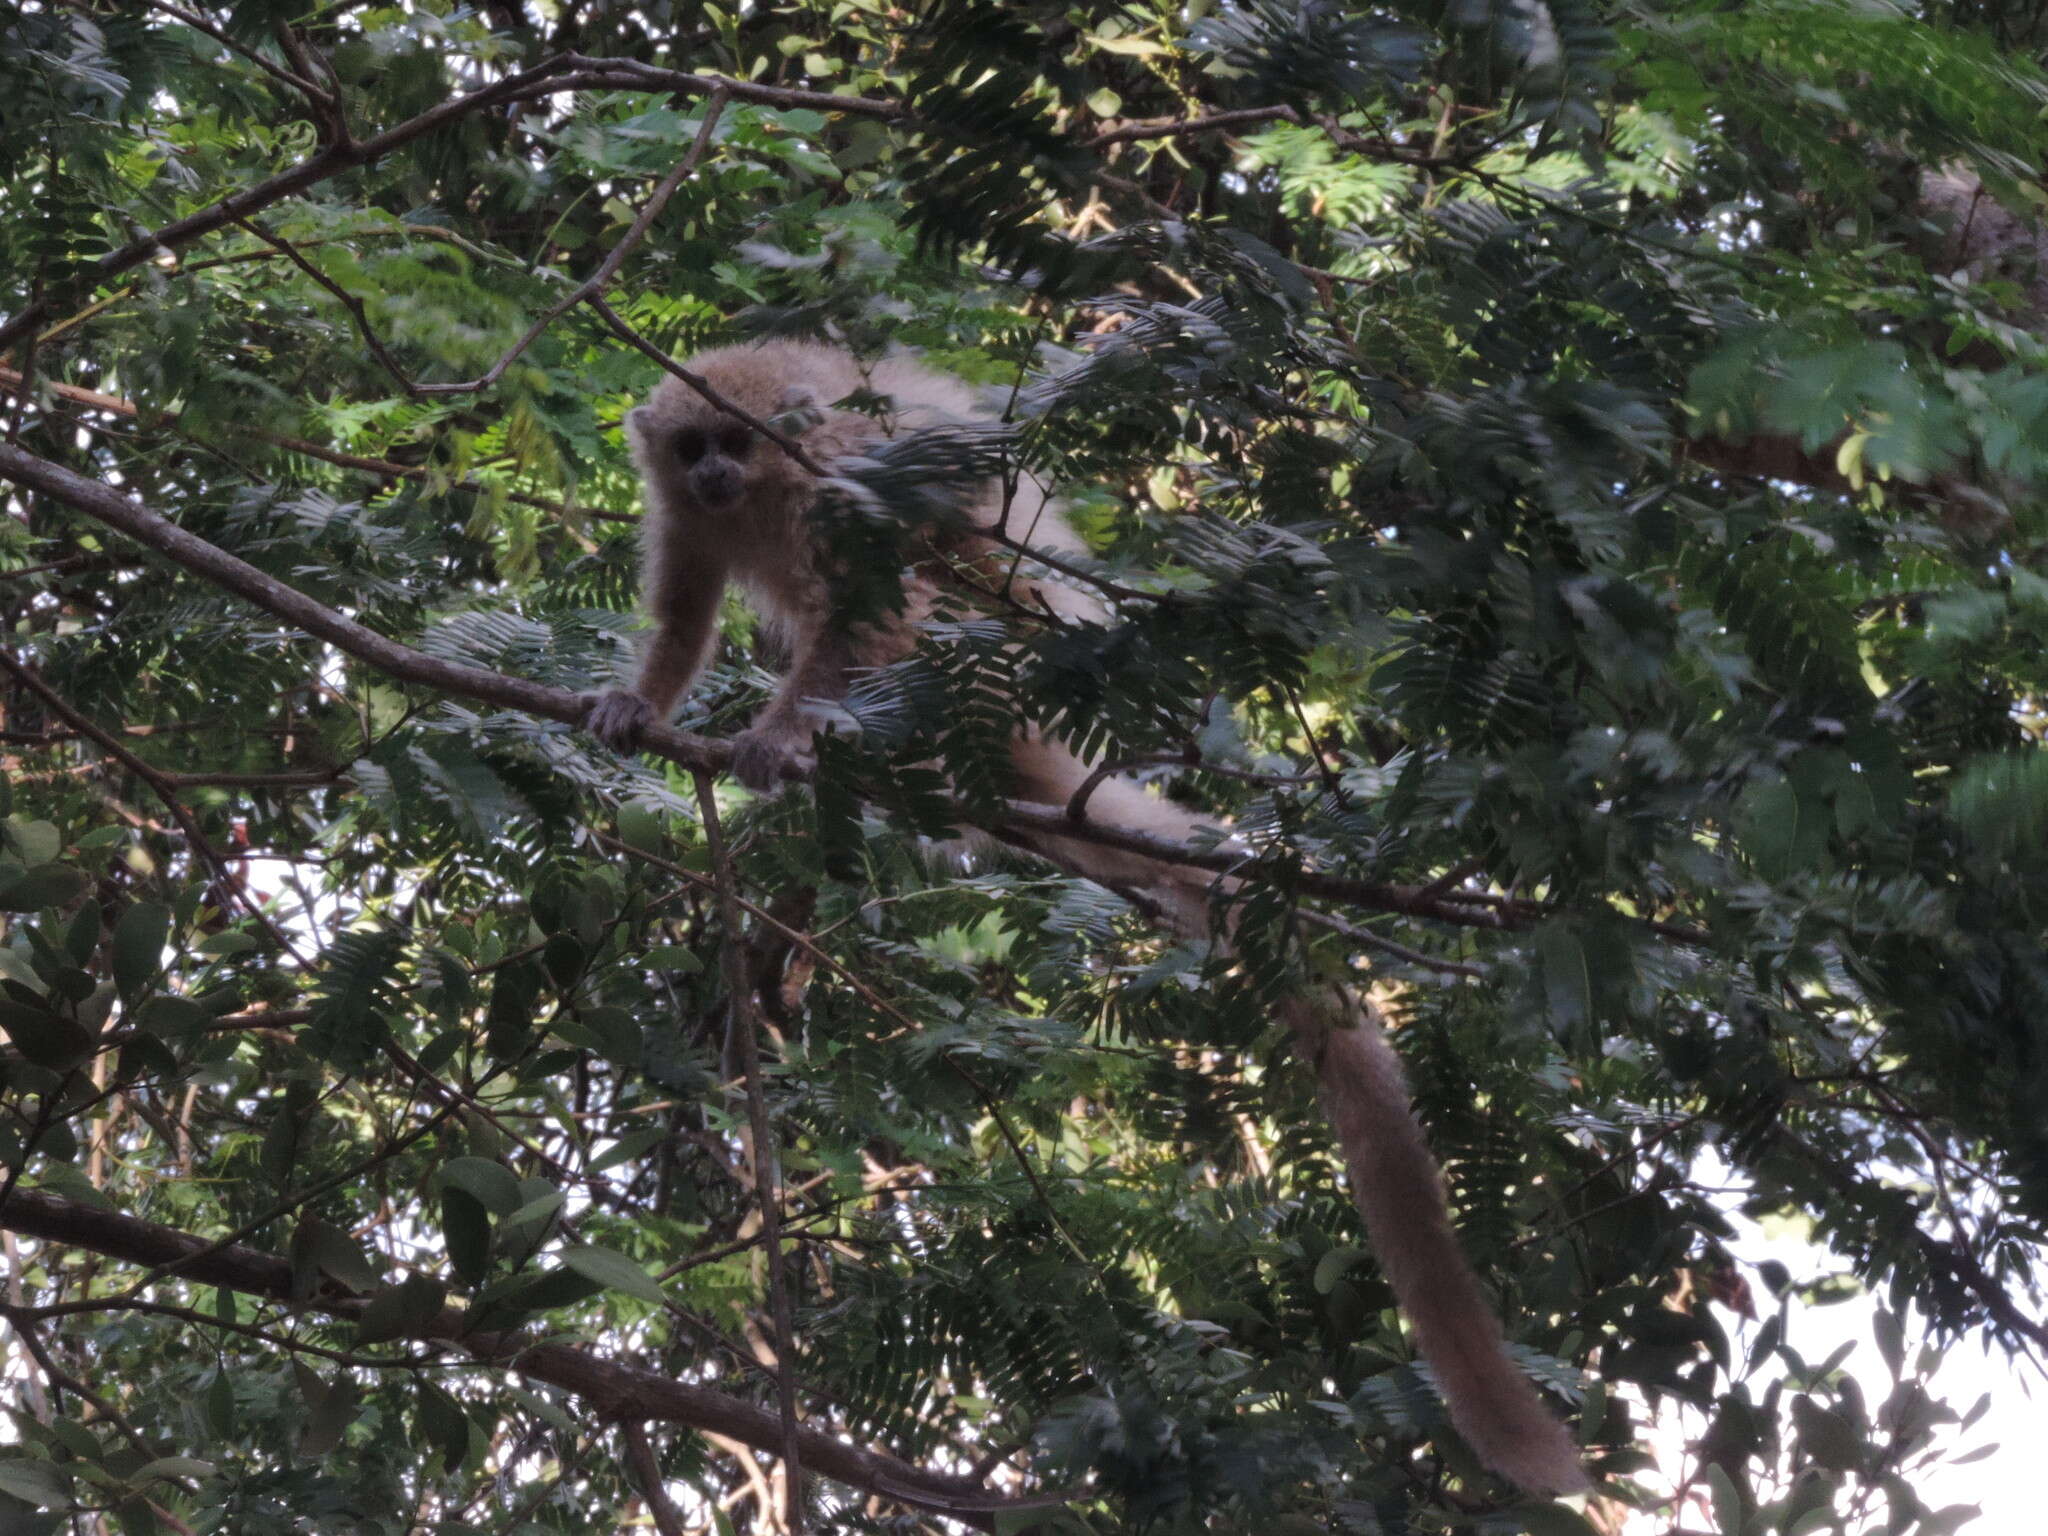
column 763, row 543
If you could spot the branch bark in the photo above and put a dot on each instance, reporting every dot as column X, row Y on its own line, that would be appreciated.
column 238, row 576
column 685, row 748
column 611, row 1387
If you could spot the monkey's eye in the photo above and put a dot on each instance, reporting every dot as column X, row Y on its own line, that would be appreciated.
column 734, row 442
column 690, row 445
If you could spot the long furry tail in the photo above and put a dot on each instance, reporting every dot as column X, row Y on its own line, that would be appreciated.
column 1394, row 1177
column 1399, row 1190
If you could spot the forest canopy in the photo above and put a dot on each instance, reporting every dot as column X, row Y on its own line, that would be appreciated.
column 1567, row 482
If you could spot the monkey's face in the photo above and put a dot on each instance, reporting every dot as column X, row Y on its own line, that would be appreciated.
column 701, row 459
column 711, row 459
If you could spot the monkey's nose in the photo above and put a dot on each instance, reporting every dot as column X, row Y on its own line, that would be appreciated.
column 716, row 486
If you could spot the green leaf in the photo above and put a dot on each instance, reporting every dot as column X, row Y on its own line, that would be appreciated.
column 35, row 1482
column 227, row 944
column 45, row 1038
column 37, row 842
column 1567, row 982
column 333, row 1410
column 45, row 885
column 82, row 938
column 466, row 1226
column 443, row 1425
column 220, row 1404
column 405, row 1310
column 166, row 1467
column 640, row 829
column 1891, row 1339
column 1552, row 1520
column 1725, row 1497
column 339, row 1255
column 629, row 1148
column 175, row 1018
column 1827, row 1436
column 491, row 1185
column 614, row 1271
column 1332, row 1267
column 137, row 947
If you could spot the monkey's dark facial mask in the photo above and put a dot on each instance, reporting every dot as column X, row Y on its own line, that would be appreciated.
column 713, row 462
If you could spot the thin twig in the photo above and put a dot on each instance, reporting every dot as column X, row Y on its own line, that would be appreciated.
column 1399, row 951
column 342, row 296
column 594, row 285
column 766, row 1151
column 92, row 399
column 331, row 160
column 1180, row 128
column 283, row 76
column 225, row 880
column 703, row 386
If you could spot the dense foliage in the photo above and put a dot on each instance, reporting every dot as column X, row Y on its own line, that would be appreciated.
column 1570, row 478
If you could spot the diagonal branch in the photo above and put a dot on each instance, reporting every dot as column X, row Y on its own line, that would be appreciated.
column 316, row 95
column 330, row 161
column 610, row 1387
column 702, row 753
column 348, row 301
column 646, row 1470
column 595, row 284
column 224, row 570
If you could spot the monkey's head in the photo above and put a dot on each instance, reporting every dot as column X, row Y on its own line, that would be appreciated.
column 697, row 457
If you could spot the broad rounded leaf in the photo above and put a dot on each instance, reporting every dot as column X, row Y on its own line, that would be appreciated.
column 45, row 885
column 45, row 1038
column 138, row 946
column 35, row 1482
column 613, row 1270
column 492, row 1185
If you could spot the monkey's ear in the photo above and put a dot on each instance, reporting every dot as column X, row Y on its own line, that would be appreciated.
column 638, row 422
column 798, row 411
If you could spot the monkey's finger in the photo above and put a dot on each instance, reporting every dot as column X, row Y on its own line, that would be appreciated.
column 618, row 719
column 762, row 761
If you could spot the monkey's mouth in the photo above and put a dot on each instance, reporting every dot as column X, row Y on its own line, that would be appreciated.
column 716, row 493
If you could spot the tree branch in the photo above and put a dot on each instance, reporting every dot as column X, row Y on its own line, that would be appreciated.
column 685, row 748
column 611, row 1387
column 594, row 285
column 94, row 400
column 273, row 596
column 765, row 1150
column 330, row 161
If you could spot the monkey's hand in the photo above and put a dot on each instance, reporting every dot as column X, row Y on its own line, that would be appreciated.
column 618, row 717
column 763, row 753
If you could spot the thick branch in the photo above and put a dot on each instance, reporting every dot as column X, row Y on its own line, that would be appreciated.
column 611, row 1388
column 699, row 753
column 273, row 596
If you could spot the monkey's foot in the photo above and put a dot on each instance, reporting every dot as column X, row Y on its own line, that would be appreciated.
column 618, row 718
column 763, row 757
